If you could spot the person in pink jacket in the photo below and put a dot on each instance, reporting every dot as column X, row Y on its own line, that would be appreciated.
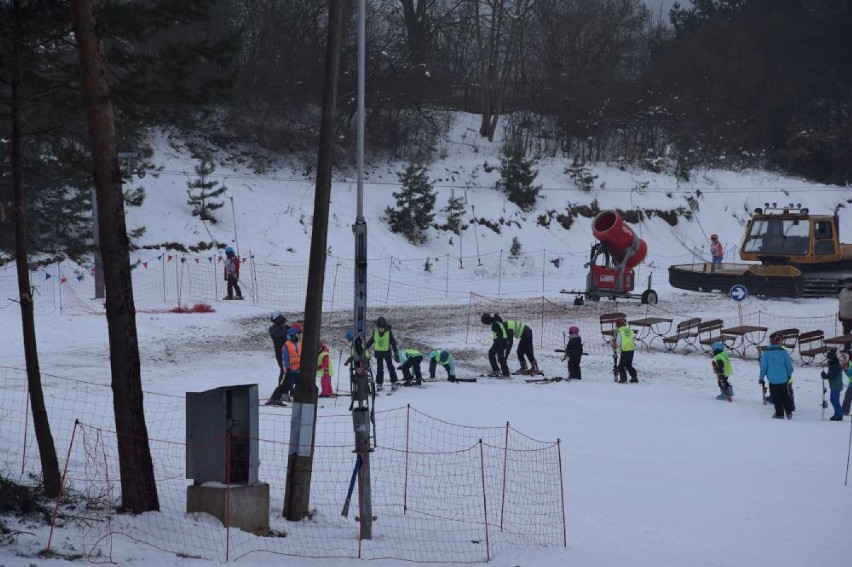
column 325, row 371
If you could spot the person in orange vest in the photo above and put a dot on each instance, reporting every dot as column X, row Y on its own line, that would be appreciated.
column 291, row 356
column 717, row 252
column 325, row 371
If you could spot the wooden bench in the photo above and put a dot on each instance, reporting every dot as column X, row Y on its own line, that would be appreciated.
column 811, row 345
column 686, row 331
column 608, row 327
column 709, row 333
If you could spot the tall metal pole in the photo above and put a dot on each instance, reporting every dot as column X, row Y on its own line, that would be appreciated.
column 362, row 387
column 236, row 238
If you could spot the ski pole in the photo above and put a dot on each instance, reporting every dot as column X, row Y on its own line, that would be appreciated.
column 848, row 451
column 345, row 511
column 763, row 389
column 337, row 385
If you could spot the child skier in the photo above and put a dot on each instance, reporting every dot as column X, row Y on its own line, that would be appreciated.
column 497, row 352
column 625, row 347
column 723, row 369
column 834, row 375
column 445, row 359
column 522, row 332
column 232, row 274
column 574, row 352
column 385, row 351
column 410, row 359
column 325, row 370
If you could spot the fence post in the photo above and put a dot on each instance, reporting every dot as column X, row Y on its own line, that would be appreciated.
column 405, row 474
column 61, row 485
column 500, row 273
column 484, row 500
column 163, row 258
column 505, row 475
column 561, row 492
column 447, row 286
column 333, row 287
column 390, row 269
column 543, row 264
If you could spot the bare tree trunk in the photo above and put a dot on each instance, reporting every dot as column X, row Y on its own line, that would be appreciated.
column 138, row 486
column 417, row 23
column 44, row 437
column 300, row 460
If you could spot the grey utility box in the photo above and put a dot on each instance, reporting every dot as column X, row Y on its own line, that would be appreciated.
column 210, row 417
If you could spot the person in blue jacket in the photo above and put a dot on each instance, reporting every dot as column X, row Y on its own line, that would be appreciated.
column 777, row 368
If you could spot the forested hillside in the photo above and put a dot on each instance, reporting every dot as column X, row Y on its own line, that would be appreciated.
column 722, row 83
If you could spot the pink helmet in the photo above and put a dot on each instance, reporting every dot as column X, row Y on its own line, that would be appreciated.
column 620, row 322
column 573, row 330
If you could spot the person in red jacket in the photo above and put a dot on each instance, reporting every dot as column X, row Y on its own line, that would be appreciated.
column 232, row 274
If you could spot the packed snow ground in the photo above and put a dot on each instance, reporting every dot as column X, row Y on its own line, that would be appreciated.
column 657, row 473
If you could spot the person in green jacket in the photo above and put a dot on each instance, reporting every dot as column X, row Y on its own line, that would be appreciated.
column 410, row 359
column 625, row 347
column 834, row 375
column 724, row 370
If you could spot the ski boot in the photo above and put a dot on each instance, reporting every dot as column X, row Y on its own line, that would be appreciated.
column 523, row 369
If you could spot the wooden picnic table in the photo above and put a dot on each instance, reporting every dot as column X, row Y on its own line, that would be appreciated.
column 747, row 336
column 842, row 340
column 651, row 328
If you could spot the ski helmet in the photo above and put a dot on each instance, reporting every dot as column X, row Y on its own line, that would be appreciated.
column 350, row 336
column 380, row 322
column 775, row 339
column 297, row 326
column 714, row 237
column 831, row 355
column 443, row 357
column 487, row 319
column 573, row 330
column 278, row 317
column 229, row 250
column 620, row 322
column 718, row 345
column 293, row 332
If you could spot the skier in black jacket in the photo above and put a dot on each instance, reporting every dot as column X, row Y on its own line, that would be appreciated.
column 278, row 334
column 574, row 352
column 497, row 352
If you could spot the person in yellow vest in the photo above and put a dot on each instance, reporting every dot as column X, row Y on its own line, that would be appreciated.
column 625, row 346
column 497, row 352
column 410, row 359
column 517, row 330
column 325, row 370
column 384, row 348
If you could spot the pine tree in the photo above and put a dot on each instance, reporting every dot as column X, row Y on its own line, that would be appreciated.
column 516, row 178
column 455, row 212
column 581, row 174
column 167, row 64
column 202, row 192
column 414, row 205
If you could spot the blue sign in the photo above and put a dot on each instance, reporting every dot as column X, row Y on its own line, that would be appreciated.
column 738, row 292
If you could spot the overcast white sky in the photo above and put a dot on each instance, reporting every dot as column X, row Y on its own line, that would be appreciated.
column 656, row 6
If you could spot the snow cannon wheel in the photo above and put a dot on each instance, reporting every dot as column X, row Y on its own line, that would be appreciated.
column 649, row 297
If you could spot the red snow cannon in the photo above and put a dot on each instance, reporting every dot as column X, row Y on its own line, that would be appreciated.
column 618, row 239
column 617, row 251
